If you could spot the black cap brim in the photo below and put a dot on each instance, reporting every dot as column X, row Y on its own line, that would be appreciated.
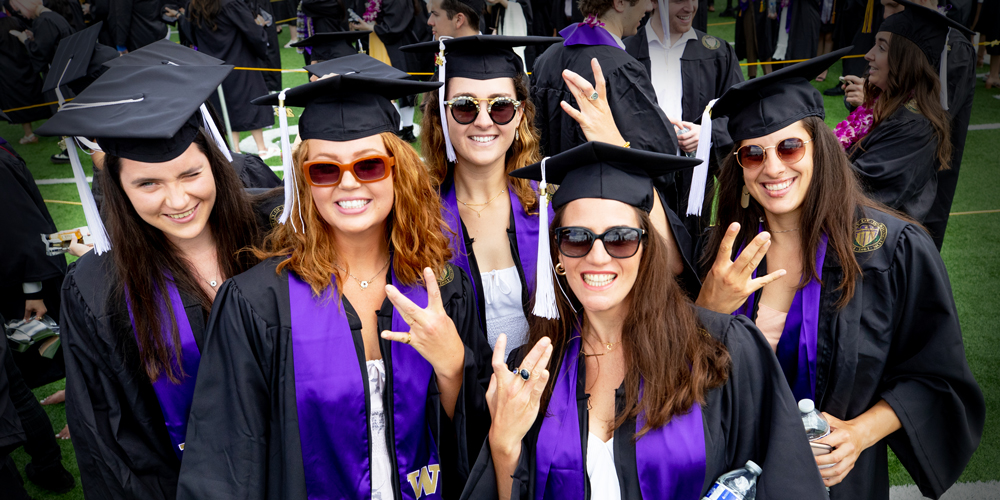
column 72, row 58
column 164, row 52
column 360, row 64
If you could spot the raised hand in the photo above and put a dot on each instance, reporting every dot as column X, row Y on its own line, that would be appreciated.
column 729, row 283
column 594, row 115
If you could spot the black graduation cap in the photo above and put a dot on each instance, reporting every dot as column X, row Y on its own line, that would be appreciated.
column 927, row 28
column 164, row 52
column 77, row 56
column 142, row 113
column 347, row 106
column 772, row 102
column 361, row 64
column 482, row 57
column 602, row 170
column 331, row 45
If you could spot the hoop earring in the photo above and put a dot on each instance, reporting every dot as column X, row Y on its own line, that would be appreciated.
column 560, row 270
column 745, row 199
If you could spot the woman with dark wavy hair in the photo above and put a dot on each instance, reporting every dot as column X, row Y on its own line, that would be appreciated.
column 857, row 305
column 133, row 320
column 349, row 363
column 647, row 396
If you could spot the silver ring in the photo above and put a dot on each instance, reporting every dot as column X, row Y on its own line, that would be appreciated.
column 595, row 96
column 525, row 374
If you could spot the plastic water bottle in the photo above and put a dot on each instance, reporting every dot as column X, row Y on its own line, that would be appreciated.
column 740, row 484
column 816, row 426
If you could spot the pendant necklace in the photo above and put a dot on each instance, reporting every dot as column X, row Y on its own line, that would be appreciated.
column 607, row 345
column 364, row 284
column 479, row 213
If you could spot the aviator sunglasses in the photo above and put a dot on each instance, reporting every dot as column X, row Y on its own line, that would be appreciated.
column 789, row 151
column 620, row 242
column 465, row 109
column 323, row 173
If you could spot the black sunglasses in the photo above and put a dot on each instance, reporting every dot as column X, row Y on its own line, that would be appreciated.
column 620, row 242
column 465, row 109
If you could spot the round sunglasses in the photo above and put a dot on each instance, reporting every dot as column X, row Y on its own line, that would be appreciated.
column 620, row 242
column 789, row 151
column 465, row 109
column 323, row 173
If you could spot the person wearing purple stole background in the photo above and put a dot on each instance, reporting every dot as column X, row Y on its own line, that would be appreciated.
column 647, row 396
column 349, row 364
column 857, row 305
column 133, row 319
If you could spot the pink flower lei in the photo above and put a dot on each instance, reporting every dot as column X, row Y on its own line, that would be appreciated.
column 592, row 21
column 856, row 126
column 372, row 9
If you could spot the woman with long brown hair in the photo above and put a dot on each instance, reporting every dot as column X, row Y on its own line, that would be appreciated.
column 857, row 305
column 647, row 396
column 349, row 363
column 133, row 320
column 909, row 138
column 485, row 132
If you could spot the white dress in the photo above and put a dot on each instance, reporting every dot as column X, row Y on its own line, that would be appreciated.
column 381, row 467
column 504, row 312
column 601, row 469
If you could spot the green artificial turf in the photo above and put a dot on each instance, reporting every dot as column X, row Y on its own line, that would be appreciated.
column 969, row 252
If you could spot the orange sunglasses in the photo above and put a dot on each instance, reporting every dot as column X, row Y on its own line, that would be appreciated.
column 325, row 173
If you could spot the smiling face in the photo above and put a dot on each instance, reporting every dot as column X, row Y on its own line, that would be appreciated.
column 175, row 197
column 482, row 143
column 878, row 60
column 600, row 282
column 351, row 207
column 681, row 15
column 778, row 187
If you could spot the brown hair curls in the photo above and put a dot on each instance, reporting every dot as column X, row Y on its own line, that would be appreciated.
column 597, row 8
column 415, row 226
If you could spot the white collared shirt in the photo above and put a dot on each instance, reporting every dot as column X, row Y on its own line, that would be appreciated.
column 665, row 71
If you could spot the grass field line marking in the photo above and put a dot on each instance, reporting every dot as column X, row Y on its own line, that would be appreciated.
column 47, row 182
column 985, row 126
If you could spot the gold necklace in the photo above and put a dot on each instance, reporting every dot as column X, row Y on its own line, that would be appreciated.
column 364, row 284
column 610, row 346
column 479, row 213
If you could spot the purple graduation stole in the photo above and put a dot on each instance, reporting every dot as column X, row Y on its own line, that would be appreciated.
column 331, row 405
column 175, row 399
column 797, row 346
column 585, row 34
column 670, row 460
column 525, row 229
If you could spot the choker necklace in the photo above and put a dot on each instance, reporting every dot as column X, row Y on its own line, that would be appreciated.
column 785, row 231
column 479, row 213
column 364, row 284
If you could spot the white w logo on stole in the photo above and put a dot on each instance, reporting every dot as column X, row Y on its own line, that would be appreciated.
column 424, row 480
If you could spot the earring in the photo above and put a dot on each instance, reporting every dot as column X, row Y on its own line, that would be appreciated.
column 517, row 134
column 560, row 270
column 745, row 199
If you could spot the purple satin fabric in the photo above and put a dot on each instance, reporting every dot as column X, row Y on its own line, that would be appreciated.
column 584, row 34
column 175, row 399
column 670, row 460
column 331, row 403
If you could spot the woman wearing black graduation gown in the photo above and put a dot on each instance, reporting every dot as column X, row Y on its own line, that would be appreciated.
column 177, row 215
column 699, row 390
column 294, row 345
column 47, row 28
column 910, row 136
column 876, row 343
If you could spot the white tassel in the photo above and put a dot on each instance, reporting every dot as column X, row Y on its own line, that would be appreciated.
column 101, row 241
column 699, row 178
column 943, row 74
column 662, row 8
column 545, row 294
column 212, row 129
column 449, row 149
column 291, row 191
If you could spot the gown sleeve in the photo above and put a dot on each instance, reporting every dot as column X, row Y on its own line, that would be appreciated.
column 42, row 48
column 253, row 172
column 227, row 454
column 927, row 380
column 896, row 160
column 242, row 17
column 633, row 105
column 393, row 20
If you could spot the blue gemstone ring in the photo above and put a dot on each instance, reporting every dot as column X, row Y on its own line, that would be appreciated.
column 525, row 374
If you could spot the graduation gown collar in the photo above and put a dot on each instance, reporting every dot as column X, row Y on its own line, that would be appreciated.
column 585, row 34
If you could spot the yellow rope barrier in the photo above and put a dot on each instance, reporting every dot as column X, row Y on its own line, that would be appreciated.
column 793, row 61
column 722, row 24
column 64, row 202
column 34, row 106
column 976, row 212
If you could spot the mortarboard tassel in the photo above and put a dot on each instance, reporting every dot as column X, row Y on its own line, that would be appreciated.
column 699, row 178
column 291, row 192
column 101, row 241
column 545, row 294
column 943, row 73
column 664, row 21
column 210, row 126
column 441, row 61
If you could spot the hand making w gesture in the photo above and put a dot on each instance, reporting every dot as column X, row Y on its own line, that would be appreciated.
column 729, row 283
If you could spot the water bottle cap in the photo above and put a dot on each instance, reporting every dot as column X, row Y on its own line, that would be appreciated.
column 752, row 467
column 806, row 405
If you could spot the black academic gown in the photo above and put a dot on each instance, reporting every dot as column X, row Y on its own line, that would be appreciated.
column 48, row 29
column 253, row 172
column 961, row 90
column 245, row 403
column 898, row 339
column 136, row 23
column 752, row 416
column 803, row 38
column 896, row 162
column 763, row 36
column 239, row 41
column 273, row 60
column 21, row 85
column 708, row 68
column 630, row 95
column 328, row 16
